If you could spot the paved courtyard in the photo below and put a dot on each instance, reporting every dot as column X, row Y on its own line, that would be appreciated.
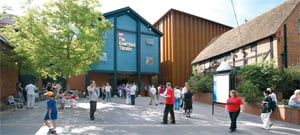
column 116, row 118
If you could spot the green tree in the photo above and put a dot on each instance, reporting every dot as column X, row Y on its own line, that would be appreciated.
column 62, row 38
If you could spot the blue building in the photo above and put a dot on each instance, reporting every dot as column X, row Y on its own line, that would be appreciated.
column 131, row 52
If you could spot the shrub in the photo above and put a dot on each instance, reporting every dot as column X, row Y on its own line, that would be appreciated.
column 201, row 82
column 287, row 83
column 284, row 102
column 250, row 91
column 263, row 75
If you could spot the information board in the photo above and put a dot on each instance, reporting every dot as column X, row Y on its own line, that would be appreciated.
column 221, row 87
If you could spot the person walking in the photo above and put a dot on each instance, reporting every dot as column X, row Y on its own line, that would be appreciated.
column 51, row 113
column 93, row 95
column 188, row 102
column 169, row 108
column 233, row 106
column 274, row 99
column 177, row 98
column 108, row 92
column 266, row 110
column 153, row 95
column 30, row 89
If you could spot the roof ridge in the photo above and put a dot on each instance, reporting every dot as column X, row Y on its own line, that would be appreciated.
column 255, row 29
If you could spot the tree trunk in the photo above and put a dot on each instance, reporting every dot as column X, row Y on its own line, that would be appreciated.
column 67, row 83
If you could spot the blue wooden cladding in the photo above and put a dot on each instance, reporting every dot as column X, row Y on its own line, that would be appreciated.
column 130, row 41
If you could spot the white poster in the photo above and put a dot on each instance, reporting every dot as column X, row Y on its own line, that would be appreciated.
column 221, row 88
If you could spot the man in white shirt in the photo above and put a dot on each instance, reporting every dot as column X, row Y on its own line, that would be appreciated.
column 152, row 95
column 274, row 98
column 30, row 89
column 132, row 94
column 93, row 94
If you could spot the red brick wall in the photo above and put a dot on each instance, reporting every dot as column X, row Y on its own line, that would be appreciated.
column 293, row 38
column 8, row 79
column 78, row 82
column 282, row 113
column 101, row 78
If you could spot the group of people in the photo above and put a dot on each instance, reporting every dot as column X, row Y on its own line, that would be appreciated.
column 172, row 100
column 268, row 105
column 234, row 107
column 94, row 93
column 28, row 93
column 183, row 98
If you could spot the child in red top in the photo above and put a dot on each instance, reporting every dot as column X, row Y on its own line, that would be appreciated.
column 233, row 106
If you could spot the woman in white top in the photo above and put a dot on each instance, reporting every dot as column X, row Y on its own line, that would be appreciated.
column 128, row 99
column 177, row 94
column 295, row 99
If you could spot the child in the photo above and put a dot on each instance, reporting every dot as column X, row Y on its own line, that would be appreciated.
column 51, row 113
column 73, row 100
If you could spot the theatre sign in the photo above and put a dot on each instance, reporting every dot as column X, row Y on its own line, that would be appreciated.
column 123, row 45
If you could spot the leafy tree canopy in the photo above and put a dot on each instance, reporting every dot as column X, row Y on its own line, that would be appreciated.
column 62, row 38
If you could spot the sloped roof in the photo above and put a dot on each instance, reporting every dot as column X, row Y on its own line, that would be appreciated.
column 258, row 28
column 132, row 12
column 8, row 20
column 4, row 41
column 188, row 14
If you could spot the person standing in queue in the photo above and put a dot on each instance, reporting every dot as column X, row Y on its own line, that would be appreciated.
column 132, row 93
column 93, row 95
column 170, row 101
column 233, row 106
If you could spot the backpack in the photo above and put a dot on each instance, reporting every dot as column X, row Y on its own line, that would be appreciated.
column 273, row 106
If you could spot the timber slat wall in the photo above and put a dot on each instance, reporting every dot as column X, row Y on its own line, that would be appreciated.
column 185, row 36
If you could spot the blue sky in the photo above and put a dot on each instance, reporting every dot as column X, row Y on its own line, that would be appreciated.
column 216, row 10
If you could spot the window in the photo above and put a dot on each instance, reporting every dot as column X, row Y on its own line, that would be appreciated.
column 253, row 47
column 149, row 60
column 149, row 41
column 103, row 57
column 105, row 35
column 299, row 26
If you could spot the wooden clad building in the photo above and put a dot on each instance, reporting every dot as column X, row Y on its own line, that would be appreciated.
column 185, row 36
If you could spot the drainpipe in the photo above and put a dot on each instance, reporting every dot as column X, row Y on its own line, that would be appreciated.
column 285, row 47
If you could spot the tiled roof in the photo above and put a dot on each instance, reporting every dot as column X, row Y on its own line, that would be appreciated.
column 260, row 27
column 8, row 20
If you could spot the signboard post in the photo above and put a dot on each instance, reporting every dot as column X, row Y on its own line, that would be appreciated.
column 222, row 83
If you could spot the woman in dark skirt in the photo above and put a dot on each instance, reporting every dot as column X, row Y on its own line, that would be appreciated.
column 188, row 102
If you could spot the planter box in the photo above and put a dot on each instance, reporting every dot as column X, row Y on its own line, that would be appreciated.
column 282, row 112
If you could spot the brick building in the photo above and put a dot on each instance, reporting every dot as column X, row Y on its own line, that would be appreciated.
column 9, row 75
column 274, row 35
column 185, row 36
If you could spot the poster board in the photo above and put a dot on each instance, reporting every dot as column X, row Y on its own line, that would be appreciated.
column 221, row 87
